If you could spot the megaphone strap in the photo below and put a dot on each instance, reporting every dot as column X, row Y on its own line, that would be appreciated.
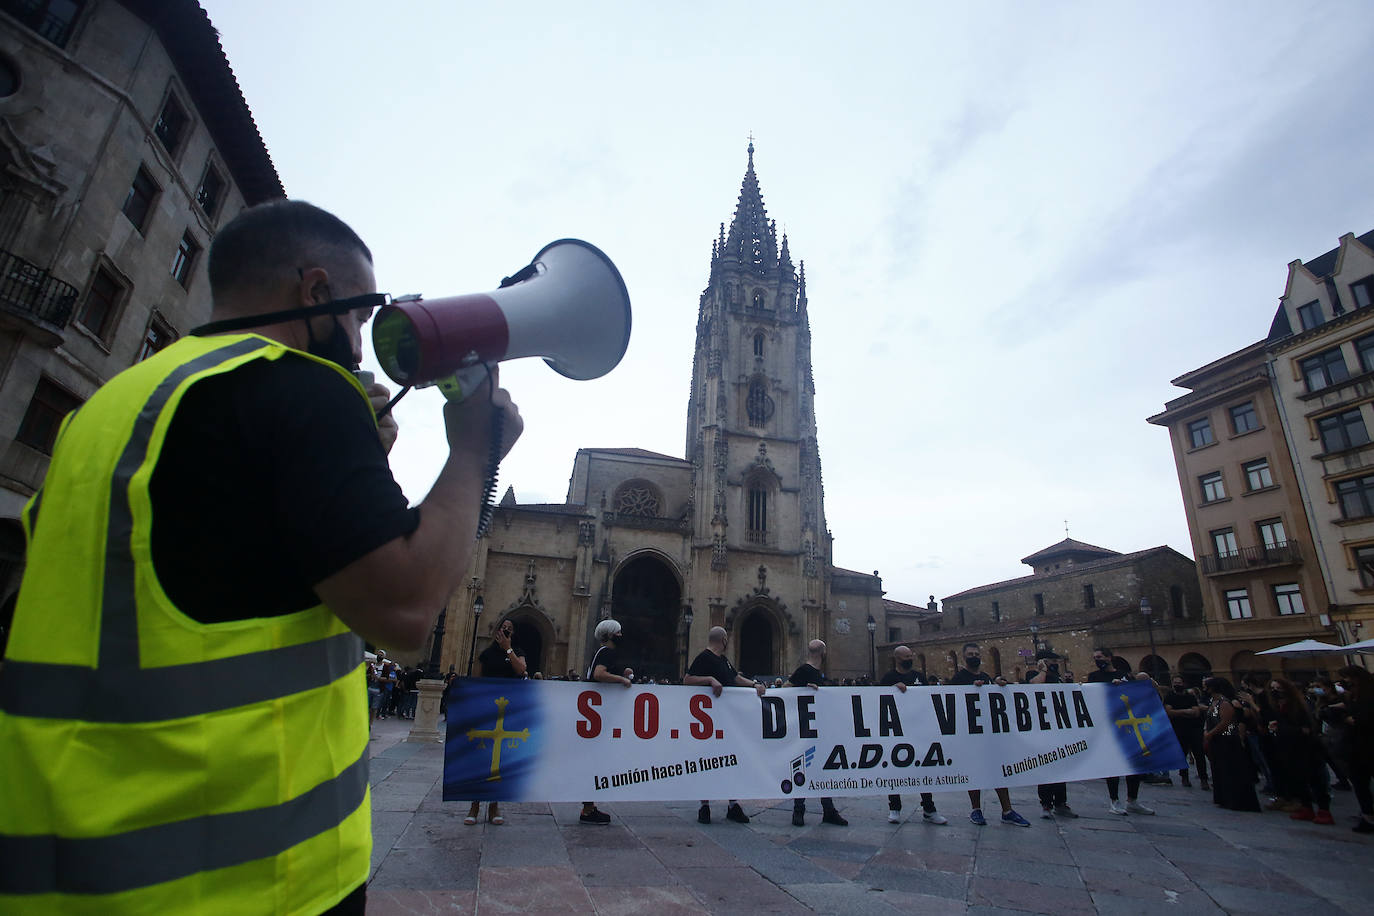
column 333, row 307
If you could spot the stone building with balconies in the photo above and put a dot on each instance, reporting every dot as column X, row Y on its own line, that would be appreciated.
column 125, row 141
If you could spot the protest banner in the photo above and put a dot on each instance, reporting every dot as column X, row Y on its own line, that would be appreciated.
column 516, row 740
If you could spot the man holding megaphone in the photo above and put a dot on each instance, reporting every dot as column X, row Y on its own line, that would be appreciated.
column 183, row 713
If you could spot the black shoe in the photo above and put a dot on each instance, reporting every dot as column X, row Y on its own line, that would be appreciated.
column 1364, row 826
column 1343, row 785
column 798, row 818
column 736, row 813
column 704, row 814
column 833, row 817
column 594, row 817
column 1187, row 784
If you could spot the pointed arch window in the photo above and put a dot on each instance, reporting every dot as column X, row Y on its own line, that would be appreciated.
column 758, row 404
column 757, row 301
column 758, row 344
column 758, row 513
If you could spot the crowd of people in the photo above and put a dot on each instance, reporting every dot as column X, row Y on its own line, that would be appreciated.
column 1268, row 737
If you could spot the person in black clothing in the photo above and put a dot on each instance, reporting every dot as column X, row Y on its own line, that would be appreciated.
column 1358, row 703
column 903, row 675
column 500, row 659
column 1054, row 796
column 1186, row 711
column 809, row 675
column 1110, row 670
column 712, row 669
column 972, row 674
column 605, row 668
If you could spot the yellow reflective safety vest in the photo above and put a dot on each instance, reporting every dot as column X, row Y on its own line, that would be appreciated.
column 150, row 763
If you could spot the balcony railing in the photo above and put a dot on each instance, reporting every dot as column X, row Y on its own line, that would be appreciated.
column 1286, row 554
column 37, row 15
column 31, row 292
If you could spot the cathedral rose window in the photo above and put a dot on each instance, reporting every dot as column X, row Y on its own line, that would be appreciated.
column 637, row 500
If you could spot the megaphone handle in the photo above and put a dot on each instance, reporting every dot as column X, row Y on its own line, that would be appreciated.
column 498, row 429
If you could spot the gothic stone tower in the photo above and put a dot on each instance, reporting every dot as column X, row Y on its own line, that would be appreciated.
column 761, row 549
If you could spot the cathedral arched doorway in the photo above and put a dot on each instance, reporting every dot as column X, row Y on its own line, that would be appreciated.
column 530, row 641
column 757, row 654
column 646, row 599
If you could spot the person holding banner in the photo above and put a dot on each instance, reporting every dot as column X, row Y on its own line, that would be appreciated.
column 808, row 674
column 500, row 659
column 605, row 669
column 712, row 669
column 1054, row 796
column 1114, row 670
column 971, row 674
column 901, row 675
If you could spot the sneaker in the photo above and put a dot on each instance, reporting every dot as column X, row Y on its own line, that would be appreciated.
column 1046, row 812
column 1135, row 807
column 1204, row 785
column 976, row 815
column 736, row 813
column 1117, row 808
column 1012, row 819
column 833, row 817
column 894, row 817
column 1364, row 827
column 1303, row 814
column 1323, row 817
column 1185, row 781
column 594, row 817
column 934, row 817
column 704, row 814
column 798, row 818
column 1064, row 811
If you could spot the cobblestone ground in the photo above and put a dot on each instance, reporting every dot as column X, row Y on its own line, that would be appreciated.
column 1192, row 857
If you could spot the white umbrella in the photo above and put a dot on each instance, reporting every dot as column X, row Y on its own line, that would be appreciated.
column 1366, row 647
column 1306, row 647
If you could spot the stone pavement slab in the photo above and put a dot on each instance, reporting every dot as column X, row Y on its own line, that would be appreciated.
column 655, row 858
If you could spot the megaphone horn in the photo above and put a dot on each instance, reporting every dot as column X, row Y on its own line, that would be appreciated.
column 569, row 306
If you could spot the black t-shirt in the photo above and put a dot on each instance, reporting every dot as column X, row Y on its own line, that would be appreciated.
column 806, row 676
column 1183, row 700
column 709, row 664
column 271, row 479
column 605, row 656
column 892, row 676
column 496, row 663
column 1106, row 675
column 976, row 678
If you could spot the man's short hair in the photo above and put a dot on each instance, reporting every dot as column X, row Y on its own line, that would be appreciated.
column 1105, row 651
column 267, row 242
column 970, row 645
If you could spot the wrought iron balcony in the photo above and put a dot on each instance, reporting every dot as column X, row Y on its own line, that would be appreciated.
column 38, row 15
column 1288, row 553
column 33, row 294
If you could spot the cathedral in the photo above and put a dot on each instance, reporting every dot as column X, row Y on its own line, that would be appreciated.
column 733, row 534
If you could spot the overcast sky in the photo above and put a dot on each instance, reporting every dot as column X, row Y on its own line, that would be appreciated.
column 1019, row 222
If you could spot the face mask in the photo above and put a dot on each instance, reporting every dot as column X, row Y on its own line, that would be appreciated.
column 1102, row 663
column 336, row 348
column 1318, row 691
column 904, row 665
column 973, row 662
column 1054, row 669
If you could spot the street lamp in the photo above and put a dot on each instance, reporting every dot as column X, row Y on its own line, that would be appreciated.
column 686, row 634
column 1148, row 613
column 872, row 653
column 477, row 607
column 1035, row 638
column 432, row 669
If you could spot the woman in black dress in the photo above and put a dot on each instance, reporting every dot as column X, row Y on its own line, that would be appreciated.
column 1223, row 737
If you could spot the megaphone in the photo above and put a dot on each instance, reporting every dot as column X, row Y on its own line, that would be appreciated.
column 569, row 305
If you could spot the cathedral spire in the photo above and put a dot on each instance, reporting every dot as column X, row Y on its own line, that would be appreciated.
column 750, row 236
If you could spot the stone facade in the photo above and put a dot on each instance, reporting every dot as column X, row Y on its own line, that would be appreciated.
column 124, row 143
column 1080, row 596
column 733, row 534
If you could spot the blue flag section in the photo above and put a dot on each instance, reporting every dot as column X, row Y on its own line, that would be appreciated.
column 1142, row 728
column 495, row 739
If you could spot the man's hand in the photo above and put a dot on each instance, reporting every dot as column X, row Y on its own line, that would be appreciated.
column 1000, row 681
column 759, row 688
column 502, row 639
column 901, row 686
column 468, row 422
column 378, row 395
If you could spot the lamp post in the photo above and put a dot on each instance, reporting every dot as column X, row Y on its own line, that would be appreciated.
column 872, row 653
column 1035, row 639
column 686, row 634
column 477, row 607
column 1148, row 613
column 432, row 669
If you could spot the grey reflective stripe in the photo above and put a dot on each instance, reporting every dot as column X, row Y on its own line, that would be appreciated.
column 119, row 615
column 46, row 863
column 134, row 695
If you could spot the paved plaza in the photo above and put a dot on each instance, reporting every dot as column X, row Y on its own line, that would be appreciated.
column 1192, row 858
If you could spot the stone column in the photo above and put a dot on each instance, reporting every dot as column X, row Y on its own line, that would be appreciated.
column 425, row 728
